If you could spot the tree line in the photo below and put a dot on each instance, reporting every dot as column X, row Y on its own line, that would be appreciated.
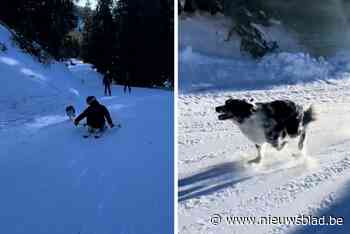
column 129, row 38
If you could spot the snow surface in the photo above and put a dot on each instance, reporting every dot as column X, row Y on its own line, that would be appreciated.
column 55, row 181
column 200, row 72
column 214, row 176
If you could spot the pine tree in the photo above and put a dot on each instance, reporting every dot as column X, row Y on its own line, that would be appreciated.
column 145, row 40
column 9, row 11
column 189, row 6
column 86, row 46
column 100, row 36
column 126, row 17
column 167, row 9
column 46, row 22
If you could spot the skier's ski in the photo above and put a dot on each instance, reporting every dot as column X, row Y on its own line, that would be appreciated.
column 96, row 136
column 100, row 134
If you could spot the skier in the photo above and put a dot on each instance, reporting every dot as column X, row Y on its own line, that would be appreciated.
column 95, row 115
column 107, row 83
column 127, row 83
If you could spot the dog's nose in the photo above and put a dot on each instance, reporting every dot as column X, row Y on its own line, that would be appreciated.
column 219, row 109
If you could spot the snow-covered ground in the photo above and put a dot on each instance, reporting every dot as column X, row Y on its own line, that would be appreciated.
column 55, row 181
column 214, row 176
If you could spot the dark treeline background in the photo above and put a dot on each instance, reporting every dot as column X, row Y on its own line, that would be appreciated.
column 129, row 38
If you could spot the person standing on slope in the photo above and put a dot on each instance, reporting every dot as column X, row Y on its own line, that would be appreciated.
column 127, row 83
column 107, row 80
column 96, row 116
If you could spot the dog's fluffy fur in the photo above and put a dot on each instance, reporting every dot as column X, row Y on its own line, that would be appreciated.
column 270, row 122
column 70, row 111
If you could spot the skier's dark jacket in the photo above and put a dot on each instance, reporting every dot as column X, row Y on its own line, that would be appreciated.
column 95, row 115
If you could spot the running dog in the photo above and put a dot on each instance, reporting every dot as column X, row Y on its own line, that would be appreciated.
column 70, row 111
column 269, row 122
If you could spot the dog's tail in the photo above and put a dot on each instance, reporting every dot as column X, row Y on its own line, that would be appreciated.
column 309, row 115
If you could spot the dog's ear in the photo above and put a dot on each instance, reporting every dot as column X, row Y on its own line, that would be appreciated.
column 252, row 107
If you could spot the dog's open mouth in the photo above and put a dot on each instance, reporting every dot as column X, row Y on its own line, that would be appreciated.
column 222, row 111
column 225, row 116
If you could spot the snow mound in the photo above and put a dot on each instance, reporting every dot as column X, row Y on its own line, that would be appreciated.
column 294, row 67
column 199, row 72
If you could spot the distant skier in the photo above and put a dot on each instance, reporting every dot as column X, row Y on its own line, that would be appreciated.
column 107, row 80
column 127, row 83
column 95, row 115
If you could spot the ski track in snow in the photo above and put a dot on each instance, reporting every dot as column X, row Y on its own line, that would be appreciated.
column 214, row 177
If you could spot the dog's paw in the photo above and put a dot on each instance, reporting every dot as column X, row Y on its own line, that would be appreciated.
column 280, row 146
column 255, row 161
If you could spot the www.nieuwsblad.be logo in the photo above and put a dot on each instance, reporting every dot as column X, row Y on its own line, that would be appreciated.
column 217, row 219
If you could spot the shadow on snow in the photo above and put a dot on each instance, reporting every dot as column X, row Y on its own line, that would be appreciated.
column 212, row 179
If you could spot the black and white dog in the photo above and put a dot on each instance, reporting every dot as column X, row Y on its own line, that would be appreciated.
column 70, row 111
column 270, row 122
